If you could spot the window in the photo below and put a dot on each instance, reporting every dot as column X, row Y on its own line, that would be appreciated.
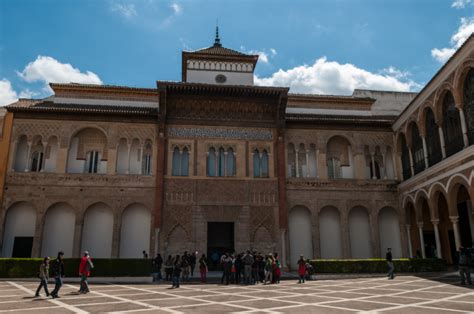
column 146, row 160
column 180, row 164
column 377, row 170
column 92, row 162
column 260, row 164
column 417, row 149
column 334, row 168
column 37, row 161
column 221, row 163
column 451, row 126
column 432, row 139
column 406, row 167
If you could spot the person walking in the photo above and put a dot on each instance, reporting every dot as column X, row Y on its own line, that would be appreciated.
column 185, row 268
column 156, row 267
column 464, row 262
column 203, row 268
column 268, row 269
column 145, row 254
column 301, row 269
column 277, row 269
column 247, row 261
column 239, row 269
column 85, row 268
column 57, row 271
column 389, row 259
column 192, row 262
column 176, row 271
column 169, row 268
column 43, row 276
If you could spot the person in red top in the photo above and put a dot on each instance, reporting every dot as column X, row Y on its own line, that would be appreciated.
column 85, row 271
column 301, row 269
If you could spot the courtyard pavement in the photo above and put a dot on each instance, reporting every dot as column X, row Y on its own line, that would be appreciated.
column 404, row 294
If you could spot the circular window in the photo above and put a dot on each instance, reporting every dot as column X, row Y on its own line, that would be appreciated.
column 220, row 78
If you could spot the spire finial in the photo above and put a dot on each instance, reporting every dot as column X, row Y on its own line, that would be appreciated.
column 217, row 41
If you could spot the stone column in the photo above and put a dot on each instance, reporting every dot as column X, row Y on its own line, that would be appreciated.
column 463, row 127
column 346, row 242
column 457, row 236
column 76, row 247
column 410, row 247
column 140, row 170
column 422, row 240
column 437, row 238
column 283, row 248
column 322, row 166
column 116, row 234
column 38, row 237
column 372, row 158
column 425, row 152
column 443, row 144
column 412, row 169
column 375, row 235
column 384, row 160
column 11, row 161
column 316, row 163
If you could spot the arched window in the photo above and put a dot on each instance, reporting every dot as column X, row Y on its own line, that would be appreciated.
column 221, row 161
column 334, row 168
column 406, row 167
column 417, row 149
column 469, row 104
column 302, row 167
column 451, row 126
column 339, row 158
column 291, row 160
column 37, row 161
column 377, row 170
column 92, row 161
column 176, row 164
column 146, row 160
column 264, row 164
column 256, row 163
column 185, row 162
column 230, row 163
column 433, row 144
column 211, row 162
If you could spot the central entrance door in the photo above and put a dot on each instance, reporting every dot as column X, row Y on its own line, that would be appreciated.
column 220, row 240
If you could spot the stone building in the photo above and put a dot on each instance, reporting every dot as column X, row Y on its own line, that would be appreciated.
column 214, row 163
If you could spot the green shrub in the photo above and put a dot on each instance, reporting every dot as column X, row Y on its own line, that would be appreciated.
column 378, row 265
column 103, row 267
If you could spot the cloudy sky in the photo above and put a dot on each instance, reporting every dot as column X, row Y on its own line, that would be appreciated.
column 324, row 46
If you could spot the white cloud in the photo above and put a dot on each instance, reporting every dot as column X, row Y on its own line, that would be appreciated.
column 457, row 39
column 7, row 94
column 461, row 4
column 330, row 77
column 128, row 11
column 263, row 56
column 49, row 70
column 177, row 9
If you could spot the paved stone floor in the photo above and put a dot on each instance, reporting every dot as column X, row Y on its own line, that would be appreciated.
column 405, row 294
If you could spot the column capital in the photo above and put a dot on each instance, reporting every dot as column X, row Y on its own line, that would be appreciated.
column 408, row 226
column 435, row 221
column 420, row 225
column 454, row 219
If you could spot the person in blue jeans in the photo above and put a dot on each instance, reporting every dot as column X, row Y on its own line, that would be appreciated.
column 176, row 272
column 57, row 271
column 43, row 276
column 391, row 268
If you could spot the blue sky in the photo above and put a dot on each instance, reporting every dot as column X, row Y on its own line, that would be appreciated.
column 328, row 47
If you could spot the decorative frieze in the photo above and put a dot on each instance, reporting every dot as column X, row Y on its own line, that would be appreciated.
column 241, row 134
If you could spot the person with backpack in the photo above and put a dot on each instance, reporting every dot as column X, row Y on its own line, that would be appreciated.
column 248, row 261
column 176, row 271
column 464, row 265
column 85, row 268
column 169, row 268
column 57, row 271
column 268, row 269
column 43, row 275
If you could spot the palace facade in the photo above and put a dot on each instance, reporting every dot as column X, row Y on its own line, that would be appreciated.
column 214, row 163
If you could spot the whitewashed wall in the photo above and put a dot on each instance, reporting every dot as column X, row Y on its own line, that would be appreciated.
column 330, row 233
column 20, row 222
column 58, row 230
column 98, row 230
column 135, row 231
column 389, row 229
column 300, row 235
column 359, row 230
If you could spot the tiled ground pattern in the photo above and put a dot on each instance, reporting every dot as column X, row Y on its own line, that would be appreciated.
column 405, row 294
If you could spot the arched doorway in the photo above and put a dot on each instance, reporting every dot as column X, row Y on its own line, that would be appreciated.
column 468, row 92
column 135, row 231
column 389, row 229
column 58, row 230
column 464, row 204
column 330, row 233
column 19, row 231
column 429, row 239
column 300, row 234
column 98, row 230
column 414, row 235
column 446, row 233
column 359, row 230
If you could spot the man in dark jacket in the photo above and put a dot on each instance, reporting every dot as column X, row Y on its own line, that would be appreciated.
column 57, row 270
column 391, row 268
column 156, row 265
